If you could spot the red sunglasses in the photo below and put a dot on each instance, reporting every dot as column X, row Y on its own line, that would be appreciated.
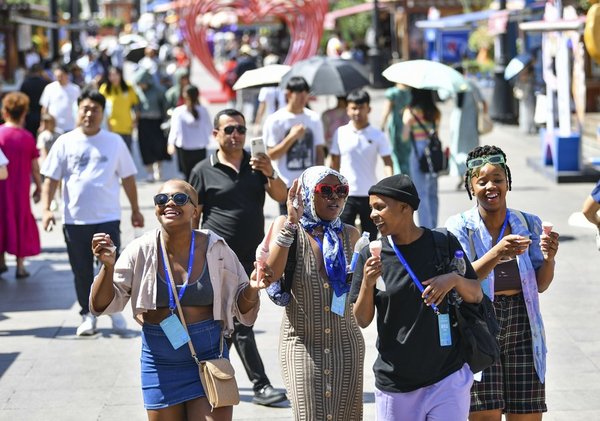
column 327, row 190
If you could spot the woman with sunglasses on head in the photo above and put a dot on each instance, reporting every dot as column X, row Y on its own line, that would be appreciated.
column 514, row 260
column 321, row 348
column 212, row 288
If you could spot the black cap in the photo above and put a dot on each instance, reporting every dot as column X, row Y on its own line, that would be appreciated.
column 399, row 187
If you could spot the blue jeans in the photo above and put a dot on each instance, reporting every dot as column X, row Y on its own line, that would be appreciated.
column 427, row 188
column 81, row 258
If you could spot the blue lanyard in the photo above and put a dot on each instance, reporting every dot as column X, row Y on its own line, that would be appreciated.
column 503, row 227
column 172, row 304
column 412, row 274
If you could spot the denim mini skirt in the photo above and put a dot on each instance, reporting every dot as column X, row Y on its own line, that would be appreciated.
column 170, row 376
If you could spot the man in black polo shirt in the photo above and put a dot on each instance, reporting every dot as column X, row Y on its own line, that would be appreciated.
column 231, row 188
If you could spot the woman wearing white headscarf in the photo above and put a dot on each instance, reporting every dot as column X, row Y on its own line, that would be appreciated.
column 321, row 347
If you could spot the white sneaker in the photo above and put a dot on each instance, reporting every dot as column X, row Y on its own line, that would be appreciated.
column 119, row 325
column 88, row 327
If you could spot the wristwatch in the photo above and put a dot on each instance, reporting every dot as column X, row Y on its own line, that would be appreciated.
column 274, row 176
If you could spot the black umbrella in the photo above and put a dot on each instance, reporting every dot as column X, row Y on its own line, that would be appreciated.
column 329, row 76
column 135, row 52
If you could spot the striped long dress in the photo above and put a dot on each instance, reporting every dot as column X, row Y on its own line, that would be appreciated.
column 321, row 353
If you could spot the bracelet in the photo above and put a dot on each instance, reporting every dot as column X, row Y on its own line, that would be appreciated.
column 290, row 226
column 285, row 238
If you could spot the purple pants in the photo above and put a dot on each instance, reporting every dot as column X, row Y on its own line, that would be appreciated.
column 446, row 400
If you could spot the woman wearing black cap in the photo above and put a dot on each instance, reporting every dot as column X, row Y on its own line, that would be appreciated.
column 419, row 373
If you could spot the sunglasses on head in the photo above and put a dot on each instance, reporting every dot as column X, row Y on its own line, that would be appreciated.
column 481, row 161
column 240, row 129
column 179, row 199
column 327, row 190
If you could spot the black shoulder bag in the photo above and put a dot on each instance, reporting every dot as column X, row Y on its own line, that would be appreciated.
column 433, row 159
column 477, row 324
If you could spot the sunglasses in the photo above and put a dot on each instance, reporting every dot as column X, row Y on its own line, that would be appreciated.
column 480, row 162
column 179, row 199
column 327, row 190
column 240, row 129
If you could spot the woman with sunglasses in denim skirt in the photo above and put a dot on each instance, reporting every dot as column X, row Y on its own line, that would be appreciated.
column 321, row 348
column 212, row 287
column 514, row 260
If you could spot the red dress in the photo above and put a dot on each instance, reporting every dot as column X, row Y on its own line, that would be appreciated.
column 19, row 234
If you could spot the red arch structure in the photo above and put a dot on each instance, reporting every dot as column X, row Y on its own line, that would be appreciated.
column 304, row 19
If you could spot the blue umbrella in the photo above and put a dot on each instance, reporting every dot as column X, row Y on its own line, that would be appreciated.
column 516, row 65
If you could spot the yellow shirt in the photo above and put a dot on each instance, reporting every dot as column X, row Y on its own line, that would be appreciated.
column 120, row 119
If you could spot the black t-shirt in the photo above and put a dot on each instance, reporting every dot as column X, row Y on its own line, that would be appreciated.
column 410, row 355
column 232, row 204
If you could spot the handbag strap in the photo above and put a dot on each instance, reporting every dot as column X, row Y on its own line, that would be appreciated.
column 178, row 304
column 429, row 132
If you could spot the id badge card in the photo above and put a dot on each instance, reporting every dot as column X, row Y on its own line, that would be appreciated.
column 175, row 331
column 444, row 329
column 338, row 304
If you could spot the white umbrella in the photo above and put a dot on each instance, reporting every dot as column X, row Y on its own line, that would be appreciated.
column 426, row 74
column 263, row 76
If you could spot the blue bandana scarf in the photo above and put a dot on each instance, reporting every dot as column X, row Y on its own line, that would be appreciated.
column 332, row 247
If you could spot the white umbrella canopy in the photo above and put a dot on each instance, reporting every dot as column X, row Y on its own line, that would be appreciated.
column 263, row 76
column 426, row 74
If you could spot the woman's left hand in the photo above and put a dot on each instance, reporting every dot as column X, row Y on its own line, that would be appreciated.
column 549, row 245
column 437, row 288
column 266, row 274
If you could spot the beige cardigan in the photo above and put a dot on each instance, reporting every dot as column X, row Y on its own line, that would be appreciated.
column 135, row 278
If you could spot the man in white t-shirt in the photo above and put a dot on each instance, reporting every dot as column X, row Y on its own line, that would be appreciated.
column 59, row 97
column 91, row 163
column 294, row 135
column 354, row 153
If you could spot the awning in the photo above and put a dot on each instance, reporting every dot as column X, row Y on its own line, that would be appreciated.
column 560, row 25
column 162, row 6
column 331, row 17
column 455, row 21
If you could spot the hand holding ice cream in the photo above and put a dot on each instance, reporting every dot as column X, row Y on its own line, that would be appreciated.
column 375, row 249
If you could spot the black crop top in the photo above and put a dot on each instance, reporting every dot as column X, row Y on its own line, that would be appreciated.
column 198, row 293
column 506, row 276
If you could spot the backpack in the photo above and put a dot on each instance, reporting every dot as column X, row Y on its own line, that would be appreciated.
column 477, row 324
column 434, row 159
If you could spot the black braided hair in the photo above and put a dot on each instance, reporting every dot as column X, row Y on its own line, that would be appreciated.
column 480, row 151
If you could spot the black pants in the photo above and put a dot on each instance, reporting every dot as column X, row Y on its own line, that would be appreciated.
column 81, row 257
column 245, row 345
column 359, row 205
column 187, row 159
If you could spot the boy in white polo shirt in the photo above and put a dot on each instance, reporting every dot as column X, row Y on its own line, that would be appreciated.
column 354, row 153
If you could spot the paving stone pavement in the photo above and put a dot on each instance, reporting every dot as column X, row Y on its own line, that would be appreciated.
column 47, row 373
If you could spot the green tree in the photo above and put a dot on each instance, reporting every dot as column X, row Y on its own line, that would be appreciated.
column 350, row 27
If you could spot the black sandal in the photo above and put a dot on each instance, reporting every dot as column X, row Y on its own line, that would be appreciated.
column 21, row 274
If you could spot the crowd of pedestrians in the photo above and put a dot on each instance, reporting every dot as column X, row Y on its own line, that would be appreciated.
column 212, row 222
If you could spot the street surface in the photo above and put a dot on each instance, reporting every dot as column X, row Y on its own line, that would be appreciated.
column 47, row 373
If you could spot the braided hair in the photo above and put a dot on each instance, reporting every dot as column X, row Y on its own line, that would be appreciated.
column 478, row 152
